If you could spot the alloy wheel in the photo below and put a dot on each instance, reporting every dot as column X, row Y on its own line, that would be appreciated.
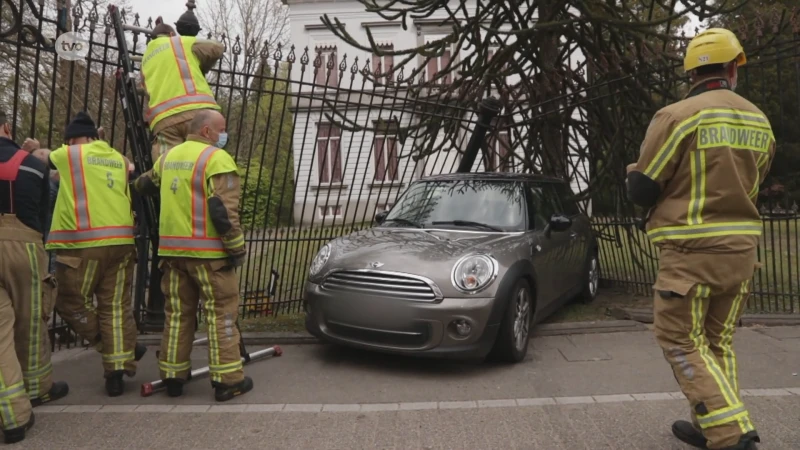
column 522, row 320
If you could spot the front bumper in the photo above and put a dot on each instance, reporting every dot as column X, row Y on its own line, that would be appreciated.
column 402, row 327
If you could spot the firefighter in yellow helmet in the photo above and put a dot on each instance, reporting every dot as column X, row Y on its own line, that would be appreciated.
column 699, row 170
column 92, row 236
column 201, row 243
column 173, row 74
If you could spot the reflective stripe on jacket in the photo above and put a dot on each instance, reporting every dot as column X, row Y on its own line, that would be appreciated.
column 93, row 206
column 185, row 225
column 708, row 154
column 173, row 79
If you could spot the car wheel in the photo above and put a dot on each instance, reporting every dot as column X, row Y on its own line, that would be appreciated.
column 591, row 279
column 514, row 334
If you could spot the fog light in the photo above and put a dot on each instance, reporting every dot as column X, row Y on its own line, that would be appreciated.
column 463, row 328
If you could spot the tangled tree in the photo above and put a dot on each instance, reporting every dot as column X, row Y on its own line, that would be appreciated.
column 579, row 80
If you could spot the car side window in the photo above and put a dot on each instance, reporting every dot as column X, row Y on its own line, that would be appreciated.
column 543, row 204
column 567, row 200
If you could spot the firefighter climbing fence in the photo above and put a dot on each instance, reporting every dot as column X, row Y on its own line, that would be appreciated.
column 325, row 140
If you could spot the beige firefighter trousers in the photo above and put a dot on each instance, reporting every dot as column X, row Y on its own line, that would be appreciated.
column 105, row 273
column 26, row 304
column 185, row 282
column 169, row 137
column 694, row 325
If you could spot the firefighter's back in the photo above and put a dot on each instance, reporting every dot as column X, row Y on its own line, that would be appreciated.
column 724, row 142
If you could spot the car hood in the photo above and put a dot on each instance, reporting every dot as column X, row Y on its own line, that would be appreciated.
column 411, row 250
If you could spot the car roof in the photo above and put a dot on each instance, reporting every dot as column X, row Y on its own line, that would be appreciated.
column 493, row 176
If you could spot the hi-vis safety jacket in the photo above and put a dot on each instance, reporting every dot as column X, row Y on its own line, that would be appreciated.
column 199, row 191
column 173, row 79
column 699, row 171
column 93, row 207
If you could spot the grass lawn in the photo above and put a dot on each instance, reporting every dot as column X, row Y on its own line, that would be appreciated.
column 595, row 311
column 627, row 256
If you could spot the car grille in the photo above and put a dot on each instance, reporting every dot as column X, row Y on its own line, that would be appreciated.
column 383, row 284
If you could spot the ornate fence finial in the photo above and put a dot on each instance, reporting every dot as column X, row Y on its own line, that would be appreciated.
column 187, row 24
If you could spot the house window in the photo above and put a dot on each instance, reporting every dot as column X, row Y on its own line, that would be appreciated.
column 329, row 157
column 330, row 211
column 436, row 64
column 386, row 152
column 497, row 158
column 383, row 63
column 325, row 76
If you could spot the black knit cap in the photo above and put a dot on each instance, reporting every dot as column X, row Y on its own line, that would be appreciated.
column 81, row 126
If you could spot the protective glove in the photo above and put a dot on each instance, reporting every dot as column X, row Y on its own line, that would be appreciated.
column 236, row 260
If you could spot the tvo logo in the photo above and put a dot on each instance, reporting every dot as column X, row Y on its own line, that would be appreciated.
column 72, row 46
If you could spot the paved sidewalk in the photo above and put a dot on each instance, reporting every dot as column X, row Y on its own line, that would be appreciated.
column 600, row 391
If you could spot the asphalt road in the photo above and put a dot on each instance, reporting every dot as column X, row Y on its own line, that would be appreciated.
column 600, row 391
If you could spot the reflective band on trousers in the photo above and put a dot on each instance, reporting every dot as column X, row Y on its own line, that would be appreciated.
column 88, row 235
column 198, row 192
column 723, row 416
column 12, row 391
column 78, row 186
column 191, row 97
column 705, row 230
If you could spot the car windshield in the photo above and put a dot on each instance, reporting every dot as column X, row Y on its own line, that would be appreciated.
column 487, row 205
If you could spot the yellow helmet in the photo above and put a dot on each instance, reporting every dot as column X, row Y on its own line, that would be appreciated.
column 713, row 46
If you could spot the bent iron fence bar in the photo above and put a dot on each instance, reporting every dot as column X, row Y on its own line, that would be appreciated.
column 325, row 140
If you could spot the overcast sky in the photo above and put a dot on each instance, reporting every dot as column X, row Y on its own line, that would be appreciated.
column 169, row 9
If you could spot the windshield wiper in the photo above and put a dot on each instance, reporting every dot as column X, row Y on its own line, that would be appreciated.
column 405, row 222
column 468, row 223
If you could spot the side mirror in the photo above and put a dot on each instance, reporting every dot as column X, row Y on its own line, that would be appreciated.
column 557, row 223
column 381, row 216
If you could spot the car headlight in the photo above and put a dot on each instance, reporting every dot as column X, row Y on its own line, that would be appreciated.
column 320, row 260
column 474, row 273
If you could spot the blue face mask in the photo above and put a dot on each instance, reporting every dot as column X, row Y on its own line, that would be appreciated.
column 223, row 139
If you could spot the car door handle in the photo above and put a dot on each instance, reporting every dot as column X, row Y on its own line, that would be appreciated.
column 573, row 234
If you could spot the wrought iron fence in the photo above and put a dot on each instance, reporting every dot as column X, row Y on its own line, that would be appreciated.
column 326, row 140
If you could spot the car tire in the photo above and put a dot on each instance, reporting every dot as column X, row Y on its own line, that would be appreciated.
column 591, row 279
column 511, row 344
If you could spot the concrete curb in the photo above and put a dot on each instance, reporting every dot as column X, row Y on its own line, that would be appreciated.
column 317, row 408
column 547, row 329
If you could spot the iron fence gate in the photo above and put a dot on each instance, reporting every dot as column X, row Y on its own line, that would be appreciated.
column 325, row 140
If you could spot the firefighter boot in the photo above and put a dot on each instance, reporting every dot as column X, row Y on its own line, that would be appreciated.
column 224, row 392
column 115, row 385
column 59, row 390
column 18, row 434
column 174, row 387
column 689, row 434
column 139, row 351
column 746, row 442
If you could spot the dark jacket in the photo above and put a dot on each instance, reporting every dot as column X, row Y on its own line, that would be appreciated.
column 30, row 192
